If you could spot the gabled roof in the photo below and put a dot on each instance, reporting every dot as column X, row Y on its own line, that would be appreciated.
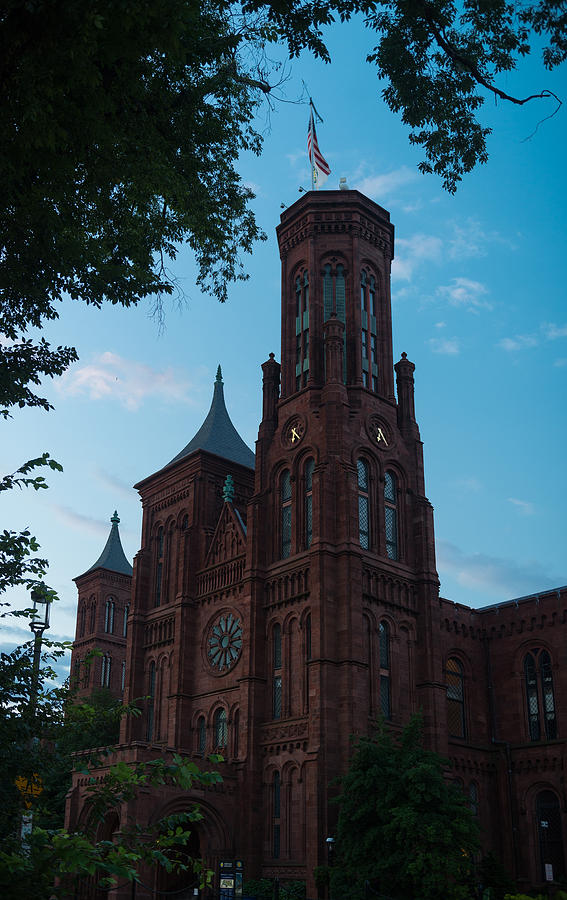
column 217, row 434
column 113, row 557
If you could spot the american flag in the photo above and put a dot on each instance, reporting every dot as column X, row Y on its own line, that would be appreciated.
column 320, row 168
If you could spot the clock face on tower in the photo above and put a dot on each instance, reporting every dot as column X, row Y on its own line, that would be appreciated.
column 224, row 642
column 379, row 433
column 294, row 431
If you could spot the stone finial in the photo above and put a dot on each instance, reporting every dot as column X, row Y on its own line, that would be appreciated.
column 218, row 379
column 228, row 489
column 114, row 519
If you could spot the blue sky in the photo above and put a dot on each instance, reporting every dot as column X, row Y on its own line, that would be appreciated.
column 478, row 290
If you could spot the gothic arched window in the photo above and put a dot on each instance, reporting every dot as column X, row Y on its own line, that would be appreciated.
column 363, row 504
column 277, row 668
column 123, row 676
column 285, row 505
column 109, row 616
column 105, row 670
column 391, row 514
column 369, row 338
column 83, row 620
column 384, row 652
column 236, row 733
column 308, row 511
column 220, row 728
column 201, row 735
column 125, row 620
column 92, row 623
column 334, row 299
column 151, row 701
column 302, row 330
column 455, row 698
column 159, row 566
column 540, row 697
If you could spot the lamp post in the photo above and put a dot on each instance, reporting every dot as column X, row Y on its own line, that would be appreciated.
column 330, row 842
column 39, row 623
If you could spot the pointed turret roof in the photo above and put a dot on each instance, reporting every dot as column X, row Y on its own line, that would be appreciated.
column 113, row 557
column 217, row 434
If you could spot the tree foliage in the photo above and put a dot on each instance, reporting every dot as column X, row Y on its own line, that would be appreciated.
column 43, row 739
column 403, row 827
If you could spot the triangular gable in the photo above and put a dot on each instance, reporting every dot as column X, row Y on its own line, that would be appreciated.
column 229, row 539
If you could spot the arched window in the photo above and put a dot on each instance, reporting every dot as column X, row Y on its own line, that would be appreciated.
column 277, row 814
column 391, row 514
column 220, row 728
column 109, row 616
column 83, row 620
column 302, row 330
column 455, row 698
column 159, row 566
column 285, row 501
column 93, row 616
column 125, row 620
column 151, row 701
column 546, row 679
column 77, row 672
column 530, row 674
column 277, row 667
column 185, row 523
column 106, row 663
column 548, row 817
column 201, row 735
column 384, row 648
column 334, row 300
column 540, row 696
column 236, row 733
column 363, row 504
column 123, row 676
column 369, row 338
column 308, row 512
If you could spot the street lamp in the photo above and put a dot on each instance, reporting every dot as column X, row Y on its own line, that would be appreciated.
column 41, row 596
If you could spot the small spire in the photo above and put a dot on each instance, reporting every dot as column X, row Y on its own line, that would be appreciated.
column 228, row 489
column 115, row 519
column 218, row 379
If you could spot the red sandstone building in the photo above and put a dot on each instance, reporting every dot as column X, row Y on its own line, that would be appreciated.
column 282, row 602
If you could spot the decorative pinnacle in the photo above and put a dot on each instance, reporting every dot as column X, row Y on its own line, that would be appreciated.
column 228, row 489
column 404, row 356
column 114, row 519
column 218, row 379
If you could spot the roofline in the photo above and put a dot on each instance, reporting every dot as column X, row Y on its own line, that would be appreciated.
column 517, row 600
column 192, row 456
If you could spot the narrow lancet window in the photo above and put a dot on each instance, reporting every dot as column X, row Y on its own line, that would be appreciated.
column 277, row 813
column 109, row 616
column 151, row 701
column 220, row 728
column 302, row 330
column 363, row 504
column 308, row 512
column 159, row 567
column 455, row 698
column 201, row 735
column 369, row 335
column 532, row 698
column 277, row 671
column 384, row 652
column 391, row 515
column 285, row 499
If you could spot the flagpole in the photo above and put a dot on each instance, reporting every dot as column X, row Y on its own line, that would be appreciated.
column 311, row 161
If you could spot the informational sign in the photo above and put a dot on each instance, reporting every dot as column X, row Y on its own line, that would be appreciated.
column 548, row 872
column 29, row 787
column 231, row 874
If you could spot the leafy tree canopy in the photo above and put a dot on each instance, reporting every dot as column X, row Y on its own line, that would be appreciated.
column 403, row 828
column 121, row 126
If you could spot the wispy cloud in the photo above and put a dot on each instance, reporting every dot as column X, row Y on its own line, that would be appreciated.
column 445, row 346
column 502, row 577
column 470, row 484
column 465, row 292
column 384, row 184
column 111, row 376
column 548, row 331
column 77, row 520
column 523, row 506
column 116, row 484
column 414, row 251
column 471, row 239
column 559, row 363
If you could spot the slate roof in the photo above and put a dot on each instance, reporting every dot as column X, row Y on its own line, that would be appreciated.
column 217, row 434
column 113, row 557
